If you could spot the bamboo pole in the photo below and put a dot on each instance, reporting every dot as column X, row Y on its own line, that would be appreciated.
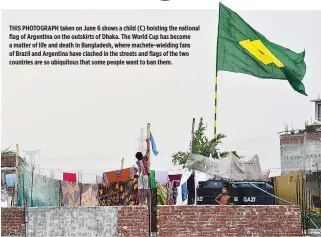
column 80, row 187
column 122, row 164
column 149, row 191
column 192, row 141
column 32, row 176
column 148, row 145
column 192, row 146
column 17, row 172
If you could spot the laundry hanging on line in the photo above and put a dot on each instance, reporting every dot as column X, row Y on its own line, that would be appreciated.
column 74, row 194
column 184, row 192
column 152, row 179
column 161, row 177
column 38, row 190
column 154, row 149
column 161, row 194
column 118, row 175
column 69, row 177
column 119, row 193
column 10, row 180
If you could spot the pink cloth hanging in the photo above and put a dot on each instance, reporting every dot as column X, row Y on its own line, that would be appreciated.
column 70, row 177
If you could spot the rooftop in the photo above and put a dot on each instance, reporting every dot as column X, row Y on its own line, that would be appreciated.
column 316, row 100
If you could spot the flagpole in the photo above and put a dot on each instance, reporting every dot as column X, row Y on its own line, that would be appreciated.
column 216, row 78
column 215, row 104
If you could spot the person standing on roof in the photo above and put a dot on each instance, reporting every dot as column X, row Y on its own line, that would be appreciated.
column 223, row 198
column 143, row 173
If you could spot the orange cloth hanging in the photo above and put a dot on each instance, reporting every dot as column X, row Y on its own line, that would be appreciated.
column 119, row 175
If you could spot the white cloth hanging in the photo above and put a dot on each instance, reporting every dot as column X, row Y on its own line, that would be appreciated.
column 185, row 176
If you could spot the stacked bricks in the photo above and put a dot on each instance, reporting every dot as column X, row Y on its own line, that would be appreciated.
column 133, row 221
column 178, row 221
column 12, row 221
column 299, row 138
column 208, row 221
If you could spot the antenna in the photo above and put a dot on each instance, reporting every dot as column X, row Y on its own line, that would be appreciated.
column 31, row 155
column 141, row 143
column 286, row 127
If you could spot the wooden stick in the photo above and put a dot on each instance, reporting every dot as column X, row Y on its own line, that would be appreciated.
column 148, row 145
column 122, row 164
column 16, row 182
column 192, row 141
column 149, row 191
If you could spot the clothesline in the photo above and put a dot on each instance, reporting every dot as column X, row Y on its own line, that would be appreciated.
column 124, row 190
column 86, row 170
column 101, row 171
column 69, row 170
column 78, row 174
column 46, row 158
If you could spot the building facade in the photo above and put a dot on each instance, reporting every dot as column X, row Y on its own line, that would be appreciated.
column 301, row 150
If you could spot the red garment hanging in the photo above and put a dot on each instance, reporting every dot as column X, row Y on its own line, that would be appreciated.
column 70, row 177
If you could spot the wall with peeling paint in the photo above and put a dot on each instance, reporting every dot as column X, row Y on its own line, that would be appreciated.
column 80, row 221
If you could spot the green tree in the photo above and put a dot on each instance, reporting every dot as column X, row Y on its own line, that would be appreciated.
column 202, row 146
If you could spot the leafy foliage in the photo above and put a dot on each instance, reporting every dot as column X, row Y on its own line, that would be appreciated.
column 202, row 146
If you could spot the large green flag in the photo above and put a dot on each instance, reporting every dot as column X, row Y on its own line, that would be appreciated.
column 242, row 49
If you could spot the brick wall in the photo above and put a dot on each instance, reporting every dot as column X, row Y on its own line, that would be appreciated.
column 174, row 221
column 12, row 221
column 299, row 138
column 133, row 221
column 211, row 221
column 63, row 221
column 8, row 161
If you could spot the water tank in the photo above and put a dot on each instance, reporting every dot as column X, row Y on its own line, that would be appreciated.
column 207, row 191
column 247, row 194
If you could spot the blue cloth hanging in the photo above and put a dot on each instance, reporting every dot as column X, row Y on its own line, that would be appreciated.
column 184, row 191
column 153, row 145
column 10, row 180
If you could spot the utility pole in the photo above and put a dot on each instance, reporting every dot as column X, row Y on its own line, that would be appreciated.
column 16, row 181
